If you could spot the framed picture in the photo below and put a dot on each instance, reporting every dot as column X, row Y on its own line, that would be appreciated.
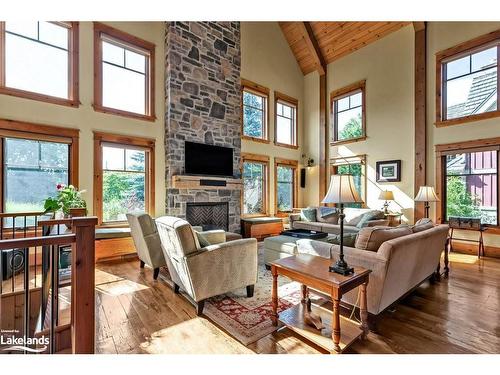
column 389, row 171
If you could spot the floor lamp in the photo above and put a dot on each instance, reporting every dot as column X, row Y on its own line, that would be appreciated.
column 426, row 194
column 341, row 190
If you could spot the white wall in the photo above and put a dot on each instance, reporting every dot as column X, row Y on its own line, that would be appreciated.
column 266, row 59
column 87, row 120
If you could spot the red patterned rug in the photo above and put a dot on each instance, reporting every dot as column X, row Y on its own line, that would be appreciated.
column 249, row 319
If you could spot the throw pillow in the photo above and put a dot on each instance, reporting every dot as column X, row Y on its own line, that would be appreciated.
column 202, row 240
column 370, row 215
column 370, row 238
column 329, row 215
column 349, row 239
column 308, row 214
column 422, row 224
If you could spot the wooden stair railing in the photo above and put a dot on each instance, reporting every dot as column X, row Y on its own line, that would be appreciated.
column 82, row 279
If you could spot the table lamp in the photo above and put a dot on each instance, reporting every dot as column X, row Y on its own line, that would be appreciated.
column 386, row 196
column 426, row 194
column 341, row 190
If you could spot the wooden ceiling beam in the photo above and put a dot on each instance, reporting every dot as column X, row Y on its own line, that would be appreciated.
column 313, row 47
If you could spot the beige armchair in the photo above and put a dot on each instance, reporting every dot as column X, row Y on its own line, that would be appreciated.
column 209, row 271
column 146, row 241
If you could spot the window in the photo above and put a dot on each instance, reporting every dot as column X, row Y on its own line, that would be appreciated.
column 255, row 111
column 124, row 177
column 286, row 120
column 471, row 185
column 33, row 162
column 124, row 74
column 286, row 185
column 348, row 109
column 354, row 165
column 466, row 82
column 39, row 60
column 255, row 185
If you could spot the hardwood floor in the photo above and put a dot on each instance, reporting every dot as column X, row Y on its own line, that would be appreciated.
column 461, row 314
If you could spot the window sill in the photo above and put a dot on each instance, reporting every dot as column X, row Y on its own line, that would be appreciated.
column 467, row 119
column 39, row 97
column 250, row 216
column 254, row 139
column 294, row 147
column 117, row 224
column 345, row 141
column 119, row 112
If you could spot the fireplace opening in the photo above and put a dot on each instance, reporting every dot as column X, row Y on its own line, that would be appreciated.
column 208, row 215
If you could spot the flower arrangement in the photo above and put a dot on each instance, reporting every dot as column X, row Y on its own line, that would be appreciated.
column 68, row 197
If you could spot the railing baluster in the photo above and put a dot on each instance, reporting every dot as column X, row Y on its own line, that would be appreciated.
column 36, row 248
column 26, row 292
column 53, row 281
column 13, row 287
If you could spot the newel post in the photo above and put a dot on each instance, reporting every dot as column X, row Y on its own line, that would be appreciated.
column 82, row 285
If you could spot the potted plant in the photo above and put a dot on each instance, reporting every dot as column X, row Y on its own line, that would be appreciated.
column 68, row 200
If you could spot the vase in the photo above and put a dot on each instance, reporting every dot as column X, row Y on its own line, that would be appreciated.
column 76, row 212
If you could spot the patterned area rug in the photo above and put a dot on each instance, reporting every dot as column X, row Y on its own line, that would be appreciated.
column 249, row 319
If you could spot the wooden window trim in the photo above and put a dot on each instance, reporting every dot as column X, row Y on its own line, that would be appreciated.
column 263, row 92
column 73, row 71
column 288, row 100
column 464, row 48
column 356, row 159
column 132, row 41
column 462, row 147
column 286, row 163
column 28, row 130
column 342, row 93
column 264, row 160
column 123, row 140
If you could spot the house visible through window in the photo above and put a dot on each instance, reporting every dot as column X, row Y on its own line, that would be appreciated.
column 124, row 79
column 285, row 180
column 255, row 176
column 286, row 120
column 348, row 113
column 39, row 61
column 471, row 185
column 255, row 111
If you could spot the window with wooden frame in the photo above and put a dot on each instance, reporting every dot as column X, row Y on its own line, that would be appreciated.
column 356, row 166
column 123, row 177
column 348, row 114
column 467, row 180
column 255, row 119
column 123, row 74
column 467, row 81
column 39, row 61
column 35, row 158
column 285, row 122
column 286, row 186
column 255, row 197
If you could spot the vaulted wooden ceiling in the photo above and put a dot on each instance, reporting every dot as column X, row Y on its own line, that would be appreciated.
column 316, row 44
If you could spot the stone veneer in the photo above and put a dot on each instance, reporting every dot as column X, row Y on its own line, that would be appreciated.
column 202, row 89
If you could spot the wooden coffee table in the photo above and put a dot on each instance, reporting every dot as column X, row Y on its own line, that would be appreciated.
column 312, row 272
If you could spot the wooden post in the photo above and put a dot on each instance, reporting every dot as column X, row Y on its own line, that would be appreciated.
column 82, row 285
column 274, row 316
column 363, row 310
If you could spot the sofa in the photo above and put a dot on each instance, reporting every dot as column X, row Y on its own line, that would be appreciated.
column 400, row 259
column 208, row 270
column 326, row 219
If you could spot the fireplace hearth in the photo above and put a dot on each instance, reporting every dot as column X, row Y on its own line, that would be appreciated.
column 208, row 215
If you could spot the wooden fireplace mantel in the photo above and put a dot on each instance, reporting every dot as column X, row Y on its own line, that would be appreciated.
column 206, row 182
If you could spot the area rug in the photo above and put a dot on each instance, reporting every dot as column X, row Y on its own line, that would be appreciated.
column 249, row 319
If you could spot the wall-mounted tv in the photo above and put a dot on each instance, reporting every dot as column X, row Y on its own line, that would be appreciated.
column 208, row 160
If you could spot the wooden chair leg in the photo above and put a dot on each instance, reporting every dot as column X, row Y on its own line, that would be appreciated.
column 156, row 272
column 142, row 264
column 176, row 288
column 250, row 290
column 199, row 307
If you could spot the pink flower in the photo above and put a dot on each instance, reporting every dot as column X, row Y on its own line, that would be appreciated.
column 60, row 186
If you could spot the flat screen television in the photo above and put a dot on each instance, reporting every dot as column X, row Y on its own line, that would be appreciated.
column 209, row 160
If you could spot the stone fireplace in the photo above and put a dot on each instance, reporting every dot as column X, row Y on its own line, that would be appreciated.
column 202, row 90
column 208, row 215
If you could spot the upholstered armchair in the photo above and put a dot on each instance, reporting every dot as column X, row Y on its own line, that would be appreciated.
column 146, row 241
column 204, row 272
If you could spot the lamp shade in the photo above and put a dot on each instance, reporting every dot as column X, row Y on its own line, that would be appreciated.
column 426, row 194
column 341, row 190
column 386, row 195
